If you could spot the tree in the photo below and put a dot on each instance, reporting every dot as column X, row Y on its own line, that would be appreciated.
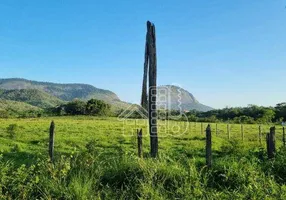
column 280, row 111
column 76, row 107
column 97, row 107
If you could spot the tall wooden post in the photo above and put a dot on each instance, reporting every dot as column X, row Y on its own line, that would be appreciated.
column 270, row 139
column 151, row 61
column 51, row 141
column 139, row 139
column 284, row 137
column 208, row 147
column 202, row 128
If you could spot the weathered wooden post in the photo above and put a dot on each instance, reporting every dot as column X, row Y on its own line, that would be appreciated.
column 149, row 101
column 228, row 131
column 195, row 128
column 284, row 137
column 270, row 142
column 52, row 141
column 202, row 128
column 208, row 147
column 259, row 135
column 139, row 139
column 242, row 132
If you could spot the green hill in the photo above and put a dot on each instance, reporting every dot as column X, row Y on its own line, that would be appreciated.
column 64, row 92
column 15, row 108
column 31, row 96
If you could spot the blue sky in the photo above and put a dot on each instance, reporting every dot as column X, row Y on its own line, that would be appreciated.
column 227, row 53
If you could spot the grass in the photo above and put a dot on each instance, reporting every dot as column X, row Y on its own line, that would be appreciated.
column 96, row 159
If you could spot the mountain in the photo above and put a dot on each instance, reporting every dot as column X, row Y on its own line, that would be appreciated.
column 177, row 98
column 63, row 92
column 31, row 96
column 45, row 94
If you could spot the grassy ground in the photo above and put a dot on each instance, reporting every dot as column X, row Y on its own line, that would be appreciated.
column 96, row 159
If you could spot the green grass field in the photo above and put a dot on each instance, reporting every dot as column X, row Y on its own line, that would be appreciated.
column 96, row 158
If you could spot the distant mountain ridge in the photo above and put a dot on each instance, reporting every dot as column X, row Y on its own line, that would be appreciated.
column 66, row 92
column 63, row 92
column 181, row 99
column 46, row 94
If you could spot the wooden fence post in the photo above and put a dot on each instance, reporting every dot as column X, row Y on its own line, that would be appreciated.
column 260, row 135
column 270, row 139
column 52, row 141
column 242, row 132
column 139, row 139
column 208, row 147
column 202, row 128
column 284, row 137
column 228, row 131
column 195, row 128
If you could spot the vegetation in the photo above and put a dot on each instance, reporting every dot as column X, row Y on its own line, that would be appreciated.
column 95, row 158
column 251, row 114
column 77, row 107
column 18, row 109
column 31, row 96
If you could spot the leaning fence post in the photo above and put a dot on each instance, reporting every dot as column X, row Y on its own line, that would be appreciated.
column 51, row 141
column 208, row 147
column 139, row 139
column 270, row 139
column 284, row 137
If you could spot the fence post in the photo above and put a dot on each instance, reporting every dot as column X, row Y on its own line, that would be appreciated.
column 242, row 132
column 228, row 131
column 52, row 141
column 284, row 137
column 208, row 147
column 202, row 128
column 139, row 139
column 259, row 135
column 270, row 139
column 195, row 128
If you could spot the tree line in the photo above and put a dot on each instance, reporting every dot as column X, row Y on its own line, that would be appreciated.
column 249, row 115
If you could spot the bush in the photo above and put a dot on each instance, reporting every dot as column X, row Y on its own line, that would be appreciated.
column 11, row 130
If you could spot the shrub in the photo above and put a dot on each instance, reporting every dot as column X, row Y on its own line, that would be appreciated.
column 11, row 130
